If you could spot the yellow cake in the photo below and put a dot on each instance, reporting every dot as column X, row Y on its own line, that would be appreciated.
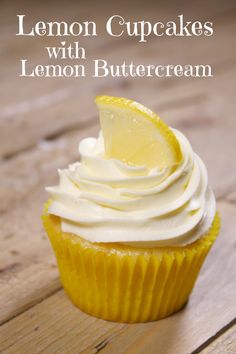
column 132, row 223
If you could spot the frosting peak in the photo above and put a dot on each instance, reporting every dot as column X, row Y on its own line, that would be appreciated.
column 106, row 200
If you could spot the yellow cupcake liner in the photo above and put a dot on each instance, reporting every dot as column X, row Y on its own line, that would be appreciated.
column 124, row 284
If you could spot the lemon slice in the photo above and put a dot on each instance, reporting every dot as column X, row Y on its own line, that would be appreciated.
column 135, row 135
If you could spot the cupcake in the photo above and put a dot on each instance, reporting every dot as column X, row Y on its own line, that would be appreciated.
column 132, row 222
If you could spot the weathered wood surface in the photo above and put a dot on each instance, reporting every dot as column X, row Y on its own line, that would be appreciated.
column 41, row 123
column 27, row 262
column 211, row 308
column 226, row 343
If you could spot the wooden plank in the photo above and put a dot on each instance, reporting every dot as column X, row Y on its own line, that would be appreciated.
column 36, row 168
column 27, row 266
column 53, row 316
column 225, row 344
column 54, row 323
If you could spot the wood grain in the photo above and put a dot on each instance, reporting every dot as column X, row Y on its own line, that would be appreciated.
column 226, row 343
column 41, row 123
column 55, row 325
column 27, row 263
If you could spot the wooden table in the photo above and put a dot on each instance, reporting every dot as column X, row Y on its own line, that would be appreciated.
column 41, row 123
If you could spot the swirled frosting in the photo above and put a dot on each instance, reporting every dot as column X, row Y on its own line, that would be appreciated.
column 106, row 200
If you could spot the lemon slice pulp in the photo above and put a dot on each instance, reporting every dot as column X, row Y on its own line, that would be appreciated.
column 135, row 135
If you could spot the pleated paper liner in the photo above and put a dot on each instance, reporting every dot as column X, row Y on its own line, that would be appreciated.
column 123, row 284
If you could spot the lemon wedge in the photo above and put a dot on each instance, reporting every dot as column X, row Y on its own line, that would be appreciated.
column 135, row 135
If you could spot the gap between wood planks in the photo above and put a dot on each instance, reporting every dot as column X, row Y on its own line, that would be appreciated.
column 214, row 337
column 36, row 302
column 225, row 343
column 98, row 347
column 53, row 136
column 101, row 345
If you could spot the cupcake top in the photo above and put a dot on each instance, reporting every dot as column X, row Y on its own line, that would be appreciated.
column 138, row 183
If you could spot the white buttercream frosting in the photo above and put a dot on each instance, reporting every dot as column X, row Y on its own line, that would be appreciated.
column 106, row 200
